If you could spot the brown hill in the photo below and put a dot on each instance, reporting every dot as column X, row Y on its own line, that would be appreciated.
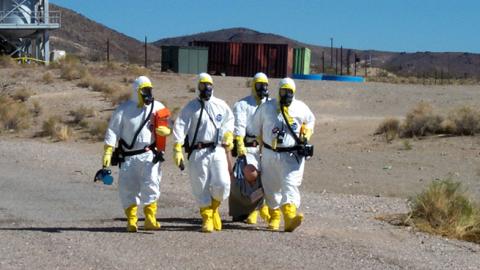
column 84, row 37
column 456, row 65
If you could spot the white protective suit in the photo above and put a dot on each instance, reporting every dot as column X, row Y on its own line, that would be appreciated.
column 282, row 172
column 139, row 178
column 208, row 167
column 243, row 111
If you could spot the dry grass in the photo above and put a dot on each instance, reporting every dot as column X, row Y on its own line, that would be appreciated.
column 47, row 78
column 37, row 108
column 22, row 94
column 102, row 86
column 464, row 121
column 444, row 209
column 390, row 127
column 136, row 71
column 6, row 62
column 421, row 121
column 87, row 81
column 120, row 95
column 56, row 129
column 13, row 115
column 81, row 113
column 97, row 129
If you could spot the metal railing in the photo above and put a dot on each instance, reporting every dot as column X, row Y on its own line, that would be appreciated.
column 35, row 18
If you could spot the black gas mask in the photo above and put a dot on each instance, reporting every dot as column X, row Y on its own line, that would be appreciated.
column 261, row 90
column 286, row 96
column 206, row 91
column 147, row 96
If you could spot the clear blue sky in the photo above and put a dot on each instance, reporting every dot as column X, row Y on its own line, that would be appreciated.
column 392, row 25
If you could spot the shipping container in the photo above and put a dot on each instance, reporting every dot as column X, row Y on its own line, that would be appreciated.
column 246, row 59
column 301, row 61
column 189, row 60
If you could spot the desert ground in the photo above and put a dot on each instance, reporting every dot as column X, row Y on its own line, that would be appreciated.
column 52, row 215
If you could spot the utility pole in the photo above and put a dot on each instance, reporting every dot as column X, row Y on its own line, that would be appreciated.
column 323, row 62
column 146, row 51
column 108, row 50
column 336, row 61
column 341, row 60
column 331, row 52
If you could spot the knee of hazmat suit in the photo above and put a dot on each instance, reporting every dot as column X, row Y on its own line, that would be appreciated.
column 139, row 178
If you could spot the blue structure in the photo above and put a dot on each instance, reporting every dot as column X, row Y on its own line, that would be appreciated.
column 325, row 77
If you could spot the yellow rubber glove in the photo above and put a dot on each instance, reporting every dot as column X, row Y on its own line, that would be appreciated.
column 177, row 154
column 305, row 134
column 228, row 140
column 241, row 150
column 107, row 155
column 163, row 131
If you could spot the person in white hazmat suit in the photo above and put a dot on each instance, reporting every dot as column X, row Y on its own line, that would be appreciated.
column 247, row 146
column 130, row 128
column 207, row 122
column 284, row 152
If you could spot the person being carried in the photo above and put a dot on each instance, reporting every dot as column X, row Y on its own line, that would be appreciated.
column 244, row 204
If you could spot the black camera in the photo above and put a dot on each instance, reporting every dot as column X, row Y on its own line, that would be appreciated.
column 280, row 136
column 305, row 150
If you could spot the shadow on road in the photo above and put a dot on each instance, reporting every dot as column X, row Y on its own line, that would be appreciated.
column 168, row 224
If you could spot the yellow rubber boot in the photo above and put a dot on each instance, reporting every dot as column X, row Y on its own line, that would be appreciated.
column 264, row 214
column 207, row 217
column 291, row 218
column 252, row 218
column 274, row 223
column 217, row 220
column 131, row 213
column 150, row 212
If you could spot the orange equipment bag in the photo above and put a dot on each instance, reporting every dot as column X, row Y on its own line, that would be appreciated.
column 161, row 118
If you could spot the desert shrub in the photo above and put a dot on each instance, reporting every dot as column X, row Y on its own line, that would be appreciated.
column 47, row 78
column 390, row 127
column 448, row 126
column 466, row 121
column 69, row 72
column 81, row 113
column 444, row 209
column 421, row 121
column 37, row 108
column 22, row 94
column 136, row 70
column 86, row 82
column 120, row 95
column 97, row 129
column 13, row 115
column 54, row 127
column 6, row 61
column 102, row 86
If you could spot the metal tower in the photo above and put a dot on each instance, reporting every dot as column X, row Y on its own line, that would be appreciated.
column 25, row 26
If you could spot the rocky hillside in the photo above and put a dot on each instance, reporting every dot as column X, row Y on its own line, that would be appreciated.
column 82, row 36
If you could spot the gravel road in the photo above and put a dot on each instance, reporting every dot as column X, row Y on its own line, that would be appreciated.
column 52, row 216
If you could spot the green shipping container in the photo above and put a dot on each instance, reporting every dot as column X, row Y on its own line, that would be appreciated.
column 301, row 61
column 189, row 60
